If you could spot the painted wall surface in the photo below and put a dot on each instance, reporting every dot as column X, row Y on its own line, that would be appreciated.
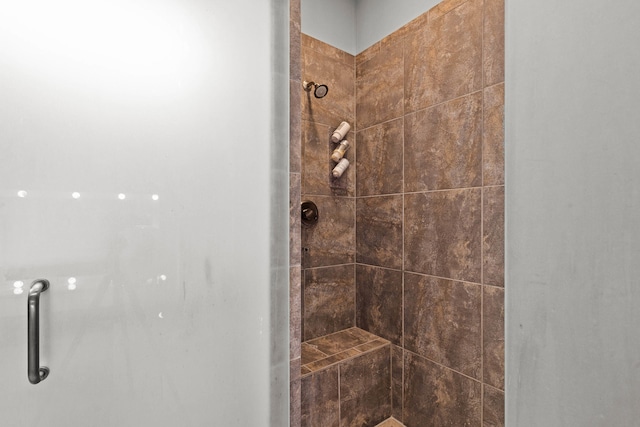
column 573, row 203
column 376, row 19
column 332, row 21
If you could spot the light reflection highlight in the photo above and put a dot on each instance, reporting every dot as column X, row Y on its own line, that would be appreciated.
column 122, row 196
column 22, row 193
column 75, row 195
column 18, row 291
column 18, row 284
column 155, row 197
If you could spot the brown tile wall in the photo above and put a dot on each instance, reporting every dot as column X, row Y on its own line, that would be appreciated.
column 410, row 243
column 328, row 248
column 430, row 211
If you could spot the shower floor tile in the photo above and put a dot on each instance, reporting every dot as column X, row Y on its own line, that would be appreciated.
column 320, row 353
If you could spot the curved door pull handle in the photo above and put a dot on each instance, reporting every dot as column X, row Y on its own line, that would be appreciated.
column 36, row 373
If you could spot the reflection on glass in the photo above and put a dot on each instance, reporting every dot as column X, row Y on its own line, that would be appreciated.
column 71, row 286
column 22, row 193
column 160, row 315
column 71, row 280
column 155, row 197
column 75, row 195
column 18, row 291
column 163, row 277
column 18, row 284
column 122, row 196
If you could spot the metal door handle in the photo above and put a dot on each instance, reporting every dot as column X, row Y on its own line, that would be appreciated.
column 36, row 373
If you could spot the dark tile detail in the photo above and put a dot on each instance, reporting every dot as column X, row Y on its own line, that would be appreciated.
column 332, row 240
column 379, row 302
column 442, row 322
column 397, row 369
column 295, row 312
column 324, row 67
column 320, row 399
column 294, row 392
column 295, row 254
column 442, row 234
column 380, row 87
column 493, row 346
column 493, row 239
column 443, row 145
column 443, row 60
column 493, row 135
column 317, row 165
column 295, row 128
column 329, row 300
column 493, row 42
column 379, row 231
column 379, row 165
column 294, row 41
column 493, row 414
column 437, row 396
column 365, row 389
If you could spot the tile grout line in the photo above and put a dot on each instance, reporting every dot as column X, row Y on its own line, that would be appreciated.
column 482, row 195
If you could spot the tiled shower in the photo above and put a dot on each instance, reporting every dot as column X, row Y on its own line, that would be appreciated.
column 397, row 292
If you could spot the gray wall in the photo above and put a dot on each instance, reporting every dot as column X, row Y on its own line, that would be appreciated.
column 332, row 21
column 354, row 25
column 573, row 213
column 379, row 18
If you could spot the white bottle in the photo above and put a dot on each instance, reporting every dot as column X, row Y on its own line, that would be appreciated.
column 340, row 168
column 340, row 132
column 338, row 153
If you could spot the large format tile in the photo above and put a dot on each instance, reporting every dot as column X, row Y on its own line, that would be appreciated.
column 379, row 302
column 329, row 300
column 380, row 87
column 443, row 60
column 339, row 103
column 295, row 128
column 443, row 145
column 295, row 311
column 493, row 135
column 332, row 240
column 493, row 336
column 493, row 238
column 379, row 231
column 493, row 413
column 365, row 384
column 437, row 396
column 317, row 164
column 442, row 234
column 442, row 322
column 397, row 371
column 493, row 42
column 379, row 166
column 320, row 399
column 295, row 245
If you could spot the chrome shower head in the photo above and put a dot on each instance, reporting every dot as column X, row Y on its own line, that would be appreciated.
column 319, row 91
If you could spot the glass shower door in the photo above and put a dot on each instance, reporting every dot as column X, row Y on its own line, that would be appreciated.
column 128, row 181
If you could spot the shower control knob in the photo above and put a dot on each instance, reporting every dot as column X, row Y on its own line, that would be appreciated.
column 309, row 213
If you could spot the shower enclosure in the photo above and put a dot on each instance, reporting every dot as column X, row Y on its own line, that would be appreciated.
column 138, row 178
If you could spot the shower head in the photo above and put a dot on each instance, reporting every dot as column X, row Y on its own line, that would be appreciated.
column 319, row 91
